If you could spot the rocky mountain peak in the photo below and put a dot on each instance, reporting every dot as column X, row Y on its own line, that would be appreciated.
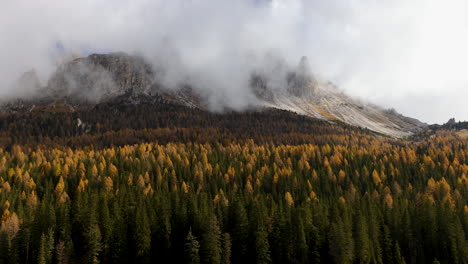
column 301, row 81
column 451, row 122
column 100, row 76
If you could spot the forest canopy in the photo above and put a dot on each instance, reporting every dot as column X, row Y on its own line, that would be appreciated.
column 268, row 187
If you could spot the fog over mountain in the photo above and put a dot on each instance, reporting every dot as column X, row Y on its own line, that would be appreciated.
column 401, row 54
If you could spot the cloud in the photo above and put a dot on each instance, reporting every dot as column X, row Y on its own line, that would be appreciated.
column 389, row 52
column 404, row 54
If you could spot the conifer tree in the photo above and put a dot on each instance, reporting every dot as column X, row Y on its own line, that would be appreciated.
column 398, row 257
column 239, row 225
column 362, row 242
column 211, row 243
column 105, row 225
column 142, row 233
column 93, row 244
column 226, row 252
column 46, row 248
column 262, row 247
column 341, row 242
column 192, row 248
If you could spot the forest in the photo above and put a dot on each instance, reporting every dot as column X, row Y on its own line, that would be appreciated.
column 186, row 186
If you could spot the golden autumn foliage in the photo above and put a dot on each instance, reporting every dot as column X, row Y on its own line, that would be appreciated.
column 108, row 184
column 32, row 200
column 148, row 190
column 10, row 226
column 248, row 168
column 248, row 187
column 60, row 193
column 342, row 200
column 312, row 196
column 94, row 171
column 376, row 177
column 298, row 189
column 113, row 171
column 6, row 187
column 185, row 187
column 141, row 181
column 388, row 200
column 82, row 184
column 289, row 199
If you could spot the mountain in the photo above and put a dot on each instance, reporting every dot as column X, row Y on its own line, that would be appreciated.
column 119, row 77
column 306, row 95
column 451, row 124
column 106, row 165
column 460, row 128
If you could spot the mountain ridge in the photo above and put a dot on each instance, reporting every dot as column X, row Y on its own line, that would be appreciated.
column 99, row 78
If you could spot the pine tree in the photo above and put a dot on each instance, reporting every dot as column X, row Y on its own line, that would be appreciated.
column 386, row 244
column 64, row 246
column 211, row 243
column 62, row 252
column 314, row 245
column 105, row 225
column 341, row 242
column 262, row 247
column 93, row 243
column 226, row 244
column 192, row 248
column 118, row 244
column 46, row 248
column 362, row 242
column 398, row 257
column 300, row 240
column 238, row 223
column 142, row 233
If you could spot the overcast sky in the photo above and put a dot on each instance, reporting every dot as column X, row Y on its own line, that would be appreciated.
column 409, row 55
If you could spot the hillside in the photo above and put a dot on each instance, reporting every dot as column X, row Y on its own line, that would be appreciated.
column 126, row 182
column 122, row 121
column 99, row 78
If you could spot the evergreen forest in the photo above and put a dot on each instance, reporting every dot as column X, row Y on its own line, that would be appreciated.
column 168, row 184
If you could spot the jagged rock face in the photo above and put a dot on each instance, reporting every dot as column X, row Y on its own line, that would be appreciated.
column 301, row 82
column 99, row 77
column 127, row 72
column 298, row 81
column 260, row 88
column 115, row 77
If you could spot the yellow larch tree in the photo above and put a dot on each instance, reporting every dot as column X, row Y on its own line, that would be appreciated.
column 113, row 171
column 10, row 227
column 60, row 193
column 94, row 171
column 289, row 199
column 82, row 184
column 376, row 178
column 108, row 184
column 248, row 187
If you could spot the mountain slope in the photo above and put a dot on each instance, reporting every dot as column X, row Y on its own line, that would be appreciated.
column 327, row 103
column 306, row 95
column 130, row 80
